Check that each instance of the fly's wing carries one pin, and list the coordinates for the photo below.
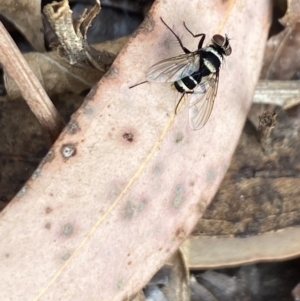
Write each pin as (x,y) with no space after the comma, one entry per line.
(175,68)
(202,101)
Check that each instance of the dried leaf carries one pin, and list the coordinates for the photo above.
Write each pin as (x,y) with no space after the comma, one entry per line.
(105,211)
(178,288)
(237,228)
(26,16)
(283,50)
(72,37)
(18,157)
(57,76)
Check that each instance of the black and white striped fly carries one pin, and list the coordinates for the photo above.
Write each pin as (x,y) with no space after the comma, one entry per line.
(195,73)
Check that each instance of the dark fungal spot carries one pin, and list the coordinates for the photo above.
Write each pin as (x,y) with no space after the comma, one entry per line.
(128,136)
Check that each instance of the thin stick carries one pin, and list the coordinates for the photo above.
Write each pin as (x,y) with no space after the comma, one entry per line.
(31,89)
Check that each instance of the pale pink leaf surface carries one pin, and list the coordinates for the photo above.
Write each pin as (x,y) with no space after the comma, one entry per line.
(127,180)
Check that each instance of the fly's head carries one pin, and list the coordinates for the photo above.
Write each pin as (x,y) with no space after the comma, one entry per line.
(222,43)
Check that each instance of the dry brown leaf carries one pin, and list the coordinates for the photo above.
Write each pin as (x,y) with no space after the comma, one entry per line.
(26,16)
(57,76)
(178,288)
(257,205)
(118,193)
(283,50)
(73,45)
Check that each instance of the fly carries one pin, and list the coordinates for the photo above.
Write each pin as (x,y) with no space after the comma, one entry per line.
(195,73)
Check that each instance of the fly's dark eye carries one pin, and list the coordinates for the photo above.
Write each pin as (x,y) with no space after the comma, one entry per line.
(228,50)
(222,42)
(218,39)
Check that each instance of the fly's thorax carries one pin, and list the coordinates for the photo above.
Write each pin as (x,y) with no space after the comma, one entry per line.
(216,51)
(212,60)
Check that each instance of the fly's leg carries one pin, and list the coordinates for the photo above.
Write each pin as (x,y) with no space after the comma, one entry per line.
(181,98)
(177,38)
(202,35)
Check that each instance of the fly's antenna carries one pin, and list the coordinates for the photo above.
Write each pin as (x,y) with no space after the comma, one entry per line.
(138,84)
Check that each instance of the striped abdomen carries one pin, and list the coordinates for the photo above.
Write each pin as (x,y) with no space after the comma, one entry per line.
(210,63)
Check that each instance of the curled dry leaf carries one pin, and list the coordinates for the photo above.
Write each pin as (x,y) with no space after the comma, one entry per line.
(105,211)
(26,16)
(73,45)
(283,50)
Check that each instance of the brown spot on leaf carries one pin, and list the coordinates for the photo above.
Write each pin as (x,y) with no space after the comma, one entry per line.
(180,234)
(48,210)
(128,136)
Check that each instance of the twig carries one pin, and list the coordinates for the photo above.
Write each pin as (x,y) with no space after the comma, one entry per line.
(31,89)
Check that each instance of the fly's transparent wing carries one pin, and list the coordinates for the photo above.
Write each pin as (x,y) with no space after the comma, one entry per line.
(202,101)
(175,68)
